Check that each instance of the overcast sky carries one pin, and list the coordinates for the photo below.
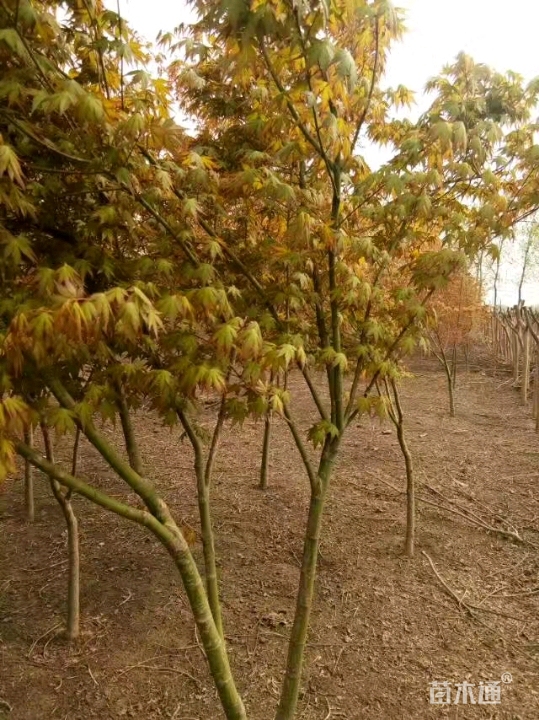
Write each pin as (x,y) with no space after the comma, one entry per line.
(503,35)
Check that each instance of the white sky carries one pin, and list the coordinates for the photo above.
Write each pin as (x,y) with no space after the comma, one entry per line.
(500,34)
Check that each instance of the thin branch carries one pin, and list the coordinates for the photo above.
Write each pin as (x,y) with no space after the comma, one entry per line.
(314,393)
(94,25)
(141,486)
(142,517)
(301,126)
(210,460)
(43,143)
(122,80)
(164,223)
(392,348)
(315,483)
(373,83)
(14,22)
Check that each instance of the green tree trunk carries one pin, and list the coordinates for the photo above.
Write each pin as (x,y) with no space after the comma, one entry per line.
(212,640)
(304,601)
(73,578)
(203,474)
(63,498)
(29,478)
(208,547)
(131,444)
(410,480)
(175,544)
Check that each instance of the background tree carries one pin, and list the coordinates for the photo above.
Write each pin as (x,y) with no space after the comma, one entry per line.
(528,250)
(396,415)
(457,311)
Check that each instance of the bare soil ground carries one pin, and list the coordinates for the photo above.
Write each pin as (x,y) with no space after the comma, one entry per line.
(383,626)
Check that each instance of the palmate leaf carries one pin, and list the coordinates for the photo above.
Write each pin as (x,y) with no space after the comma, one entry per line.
(10,37)
(287,353)
(61,419)
(162,380)
(460,137)
(15,415)
(322,53)
(211,378)
(91,108)
(346,67)
(9,164)
(433,269)
(15,248)
(225,336)
(250,341)
(318,433)
(7,458)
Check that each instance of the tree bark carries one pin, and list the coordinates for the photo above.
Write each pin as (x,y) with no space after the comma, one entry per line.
(398,420)
(29,502)
(264,464)
(212,639)
(73,576)
(449,377)
(203,474)
(131,444)
(73,580)
(175,544)
(304,600)
(210,560)
(454,366)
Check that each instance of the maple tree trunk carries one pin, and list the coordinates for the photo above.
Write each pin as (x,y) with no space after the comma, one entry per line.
(131,444)
(208,548)
(304,599)
(29,478)
(63,498)
(75,456)
(212,640)
(264,464)
(175,544)
(409,541)
(449,377)
(203,474)
(73,597)
(73,580)
(505,348)
(454,366)
(450,391)
(410,496)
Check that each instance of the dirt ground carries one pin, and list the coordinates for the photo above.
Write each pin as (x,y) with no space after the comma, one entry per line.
(383,626)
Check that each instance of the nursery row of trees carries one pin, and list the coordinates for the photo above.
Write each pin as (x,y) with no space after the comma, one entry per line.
(144,263)
(515,341)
